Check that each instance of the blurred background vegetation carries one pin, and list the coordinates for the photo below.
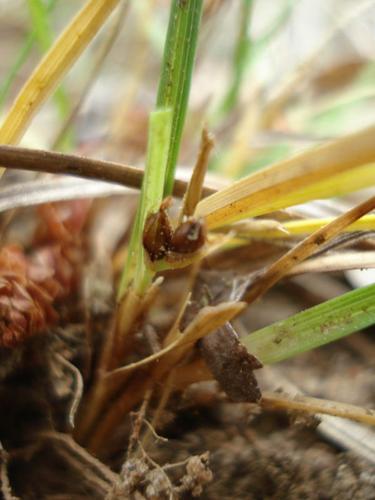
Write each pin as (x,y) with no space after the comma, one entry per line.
(271,77)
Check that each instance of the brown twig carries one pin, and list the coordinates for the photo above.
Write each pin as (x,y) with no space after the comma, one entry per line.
(100,470)
(194,190)
(316,406)
(36,160)
(77,390)
(306,248)
(137,425)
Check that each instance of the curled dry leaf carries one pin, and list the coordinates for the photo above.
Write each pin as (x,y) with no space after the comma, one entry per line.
(231,364)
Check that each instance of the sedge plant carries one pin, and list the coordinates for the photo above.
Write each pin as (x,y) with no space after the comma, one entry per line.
(334,168)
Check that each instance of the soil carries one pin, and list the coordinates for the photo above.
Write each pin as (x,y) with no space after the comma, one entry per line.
(270,456)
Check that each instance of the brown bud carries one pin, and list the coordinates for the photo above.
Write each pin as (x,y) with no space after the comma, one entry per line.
(157,234)
(189,236)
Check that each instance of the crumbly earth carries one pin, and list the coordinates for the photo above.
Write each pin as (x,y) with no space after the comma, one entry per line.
(253,454)
(269,456)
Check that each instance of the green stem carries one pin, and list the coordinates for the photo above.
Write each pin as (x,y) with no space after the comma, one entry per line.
(246,53)
(136,270)
(314,327)
(177,68)
(241,57)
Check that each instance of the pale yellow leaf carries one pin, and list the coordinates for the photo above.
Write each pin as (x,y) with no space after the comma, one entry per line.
(342,166)
(303,227)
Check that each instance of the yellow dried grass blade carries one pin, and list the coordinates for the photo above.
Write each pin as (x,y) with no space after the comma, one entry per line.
(337,185)
(336,168)
(307,226)
(366,223)
(56,62)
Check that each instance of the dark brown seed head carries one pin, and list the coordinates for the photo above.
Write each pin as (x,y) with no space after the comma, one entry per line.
(189,236)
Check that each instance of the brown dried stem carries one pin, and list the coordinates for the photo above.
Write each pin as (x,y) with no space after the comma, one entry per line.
(195,187)
(316,406)
(37,160)
(99,470)
(305,248)
(207,320)
(115,347)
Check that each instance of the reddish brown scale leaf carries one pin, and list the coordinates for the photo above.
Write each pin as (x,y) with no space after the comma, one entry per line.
(62,222)
(30,285)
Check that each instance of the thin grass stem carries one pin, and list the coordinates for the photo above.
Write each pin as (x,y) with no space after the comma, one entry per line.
(176,74)
(151,196)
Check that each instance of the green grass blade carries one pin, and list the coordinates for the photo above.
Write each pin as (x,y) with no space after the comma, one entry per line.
(247,51)
(273,29)
(314,327)
(240,59)
(20,60)
(40,23)
(135,270)
(177,68)
(45,37)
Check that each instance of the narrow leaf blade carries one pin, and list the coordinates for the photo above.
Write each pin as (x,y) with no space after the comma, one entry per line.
(314,327)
